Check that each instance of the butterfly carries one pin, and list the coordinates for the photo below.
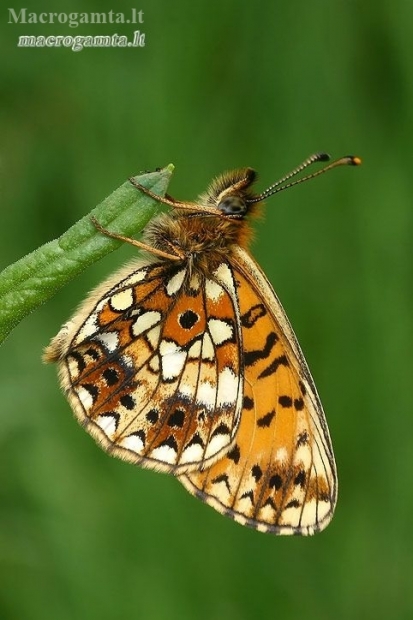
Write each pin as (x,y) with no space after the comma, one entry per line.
(185,362)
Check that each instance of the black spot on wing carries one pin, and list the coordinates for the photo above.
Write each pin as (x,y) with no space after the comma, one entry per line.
(170,442)
(222,478)
(300,478)
(248,495)
(248,319)
(256,472)
(272,368)
(234,454)
(195,440)
(81,364)
(177,418)
(127,401)
(152,416)
(265,420)
(111,376)
(251,357)
(302,439)
(248,403)
(92,352)
(221,429)
(294,503)
(275,482)
(298,404)
(270,502)
(188,319)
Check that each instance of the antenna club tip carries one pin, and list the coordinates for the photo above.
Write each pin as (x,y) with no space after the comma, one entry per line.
(348,160)
(354,160)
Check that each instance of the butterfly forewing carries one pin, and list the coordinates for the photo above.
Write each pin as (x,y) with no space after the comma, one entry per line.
(280,474)
(153,372)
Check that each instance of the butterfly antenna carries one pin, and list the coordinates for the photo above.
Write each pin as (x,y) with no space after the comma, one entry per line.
(281,185)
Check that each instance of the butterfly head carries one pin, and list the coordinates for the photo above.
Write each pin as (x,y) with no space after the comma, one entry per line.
(230,193)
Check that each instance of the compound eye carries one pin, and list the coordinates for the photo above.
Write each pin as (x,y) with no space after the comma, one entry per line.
(232,205)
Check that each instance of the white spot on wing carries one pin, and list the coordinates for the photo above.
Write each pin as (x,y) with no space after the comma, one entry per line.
(145,321)
(135,277)
(195,283)
(223,274)
(323,509)
(107,423)
(228,385)
(241,519)
(206,394)
(292,513)
(153,336)
(213,290)
(164,454)
(267,513)
(85,397)
(186,390)
(282,455)
(216,444)
(88,328)
(109,339)
(208,351)
(122,301)
(73,368)
(175,283)
(195,350)
(288,531)
(303,455)
(221,491)
(309,512)
(320,458)
(192,453)
(128,361)
(154,363)
(133,442)
(173,359)
(221,331)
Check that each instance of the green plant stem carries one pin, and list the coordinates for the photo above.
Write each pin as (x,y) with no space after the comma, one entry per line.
(36,277)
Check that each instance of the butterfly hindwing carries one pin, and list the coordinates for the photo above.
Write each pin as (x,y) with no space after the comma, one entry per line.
(280,474)
(153,373)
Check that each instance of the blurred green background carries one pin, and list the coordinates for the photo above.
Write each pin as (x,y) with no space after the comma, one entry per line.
(218,85)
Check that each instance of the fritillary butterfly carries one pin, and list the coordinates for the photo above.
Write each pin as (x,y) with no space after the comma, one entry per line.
(185,362)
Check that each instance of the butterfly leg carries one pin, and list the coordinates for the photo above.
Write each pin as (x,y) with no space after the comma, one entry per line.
(139,244)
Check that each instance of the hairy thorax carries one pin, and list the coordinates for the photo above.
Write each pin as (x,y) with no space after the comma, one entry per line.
(203,241)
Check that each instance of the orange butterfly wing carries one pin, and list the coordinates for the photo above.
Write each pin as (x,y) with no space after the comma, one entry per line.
(146,365)
(280,474)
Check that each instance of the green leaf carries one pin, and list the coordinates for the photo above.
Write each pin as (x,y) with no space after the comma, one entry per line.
(36,277)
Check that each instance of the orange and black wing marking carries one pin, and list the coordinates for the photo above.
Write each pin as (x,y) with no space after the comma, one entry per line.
(280,474)
(152,369)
